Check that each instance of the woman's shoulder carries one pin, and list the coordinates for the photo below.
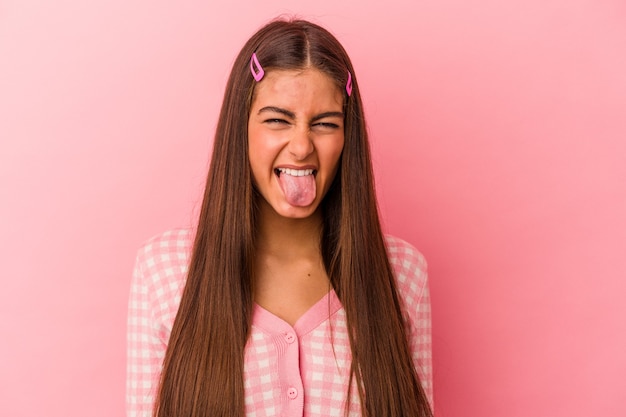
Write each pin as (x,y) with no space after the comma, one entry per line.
(158,280)
(409,266)
(165,257)
(174,243)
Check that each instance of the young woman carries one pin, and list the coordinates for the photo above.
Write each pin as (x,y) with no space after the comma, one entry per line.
(287,300)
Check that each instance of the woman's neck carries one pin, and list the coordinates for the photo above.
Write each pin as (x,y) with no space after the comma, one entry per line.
(289,272)
(286,237)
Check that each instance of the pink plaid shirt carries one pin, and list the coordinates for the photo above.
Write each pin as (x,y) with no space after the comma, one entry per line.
(288,371)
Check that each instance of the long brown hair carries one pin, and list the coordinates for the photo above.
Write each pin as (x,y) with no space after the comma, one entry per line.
(202,372)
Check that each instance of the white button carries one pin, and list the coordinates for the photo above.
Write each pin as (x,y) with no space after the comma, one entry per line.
(292,393)
(290,337)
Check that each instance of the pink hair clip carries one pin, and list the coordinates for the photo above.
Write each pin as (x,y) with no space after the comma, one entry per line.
(349,84)
(257,73)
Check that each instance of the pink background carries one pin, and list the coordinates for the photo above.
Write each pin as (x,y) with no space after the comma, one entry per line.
(499,135)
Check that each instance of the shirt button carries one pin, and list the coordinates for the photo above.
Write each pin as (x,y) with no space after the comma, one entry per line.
(292,393)
(290,337)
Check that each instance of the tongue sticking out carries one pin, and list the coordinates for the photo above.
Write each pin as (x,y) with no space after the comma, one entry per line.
(299,191)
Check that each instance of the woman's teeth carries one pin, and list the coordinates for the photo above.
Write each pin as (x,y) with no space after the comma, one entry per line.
(294,172)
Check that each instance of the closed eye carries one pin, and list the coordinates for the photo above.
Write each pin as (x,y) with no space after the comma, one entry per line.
(325,127)
(327,124)
(276,121)
(277,124)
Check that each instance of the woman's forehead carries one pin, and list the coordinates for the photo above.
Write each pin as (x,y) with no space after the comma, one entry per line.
(295,88)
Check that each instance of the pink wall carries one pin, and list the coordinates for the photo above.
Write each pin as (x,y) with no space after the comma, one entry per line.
(499,134)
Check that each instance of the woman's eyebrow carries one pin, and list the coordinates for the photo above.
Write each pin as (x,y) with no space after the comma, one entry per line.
(284,112)
(292,115)
(327,114)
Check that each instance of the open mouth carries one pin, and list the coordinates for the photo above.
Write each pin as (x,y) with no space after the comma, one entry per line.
(298,185)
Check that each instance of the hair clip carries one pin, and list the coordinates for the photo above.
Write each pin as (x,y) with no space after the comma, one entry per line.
(349,84)
(257,73)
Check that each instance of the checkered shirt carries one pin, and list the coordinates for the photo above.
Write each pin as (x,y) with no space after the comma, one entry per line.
(299,370)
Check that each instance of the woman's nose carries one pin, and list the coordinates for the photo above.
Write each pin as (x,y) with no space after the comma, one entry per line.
(300,143)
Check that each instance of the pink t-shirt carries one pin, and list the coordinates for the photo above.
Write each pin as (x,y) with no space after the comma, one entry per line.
(299,370)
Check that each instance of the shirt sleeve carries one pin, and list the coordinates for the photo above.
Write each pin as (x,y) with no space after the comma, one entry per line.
(421,342)
(145,349)
(412,279)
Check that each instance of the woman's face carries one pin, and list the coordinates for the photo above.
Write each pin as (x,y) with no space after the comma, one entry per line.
(295,139)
